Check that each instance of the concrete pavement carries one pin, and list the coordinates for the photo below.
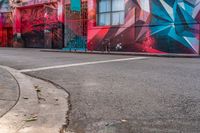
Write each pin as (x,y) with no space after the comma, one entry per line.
(9,92)
(135,96)
(37,106)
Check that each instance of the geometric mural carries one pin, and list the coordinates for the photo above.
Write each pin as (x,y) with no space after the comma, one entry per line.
(177,20)
(154,26)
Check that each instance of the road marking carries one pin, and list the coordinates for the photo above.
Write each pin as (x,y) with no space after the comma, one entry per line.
(81,64)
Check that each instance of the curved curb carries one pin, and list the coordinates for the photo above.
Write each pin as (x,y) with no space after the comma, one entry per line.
(66,124)
(17,95)
(42,107)
(25,107)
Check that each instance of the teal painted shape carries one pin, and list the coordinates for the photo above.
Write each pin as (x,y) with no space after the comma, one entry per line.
(180,39)
(160,13)
(161,21)
(189,8)
(161,30)
(75,5)
(74,49)
(187,16)
(78,43)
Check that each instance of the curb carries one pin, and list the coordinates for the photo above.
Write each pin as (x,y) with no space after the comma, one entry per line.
(42,107)
(127,53)
(14,98)
(14,119)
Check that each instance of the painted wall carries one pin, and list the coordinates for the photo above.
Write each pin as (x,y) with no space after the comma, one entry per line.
(76,27)
(4,6)
(39,24)
(5,24)
(6,33)
(34,2)
(36,23)
(154,26)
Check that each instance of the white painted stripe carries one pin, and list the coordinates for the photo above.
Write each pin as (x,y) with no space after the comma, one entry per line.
(81,64)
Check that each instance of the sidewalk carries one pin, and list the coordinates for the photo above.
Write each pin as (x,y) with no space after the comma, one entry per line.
(171,55)
(30,105)
(9,92)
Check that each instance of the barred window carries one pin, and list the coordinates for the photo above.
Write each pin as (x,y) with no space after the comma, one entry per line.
(111,12)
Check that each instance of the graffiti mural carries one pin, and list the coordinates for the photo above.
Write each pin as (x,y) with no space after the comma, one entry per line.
(32,29)
(53,27)
(4,6)
(7,19)
(76,28)
(40,26)
(34,2)
(154,26)
(5,24)
(177,24)
(6,35)
(36,23)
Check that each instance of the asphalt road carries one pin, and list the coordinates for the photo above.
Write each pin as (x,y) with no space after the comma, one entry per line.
(152,95)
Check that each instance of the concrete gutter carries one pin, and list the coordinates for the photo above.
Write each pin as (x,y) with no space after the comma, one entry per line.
(169,55)
(41,107)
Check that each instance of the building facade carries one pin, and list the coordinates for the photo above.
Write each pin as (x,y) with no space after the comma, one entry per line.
(6,24)
(153,26)
(32,23)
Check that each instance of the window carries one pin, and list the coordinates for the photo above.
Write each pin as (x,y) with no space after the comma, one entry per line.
(111,12)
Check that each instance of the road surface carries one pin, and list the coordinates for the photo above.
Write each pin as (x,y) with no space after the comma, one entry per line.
(119,94)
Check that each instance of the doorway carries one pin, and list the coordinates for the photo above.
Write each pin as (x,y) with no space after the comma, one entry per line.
(7,40)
